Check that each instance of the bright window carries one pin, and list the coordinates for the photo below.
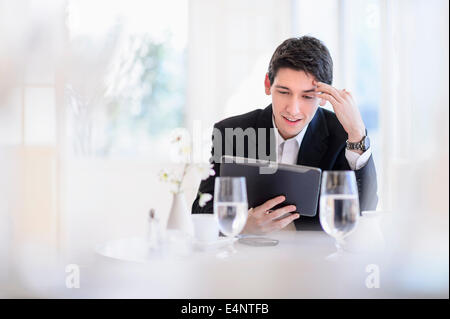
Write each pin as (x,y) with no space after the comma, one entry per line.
(135,55)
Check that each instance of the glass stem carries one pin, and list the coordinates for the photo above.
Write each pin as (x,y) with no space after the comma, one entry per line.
(340,244)
(231,246)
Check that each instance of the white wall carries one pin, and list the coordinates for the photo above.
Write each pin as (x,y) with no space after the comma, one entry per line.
(230,45)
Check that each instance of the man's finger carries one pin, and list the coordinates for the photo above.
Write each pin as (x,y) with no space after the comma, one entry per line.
(328,98)
(346,95)
(347,92)
(326,88)
(280,212)
(260,210)
(280,224)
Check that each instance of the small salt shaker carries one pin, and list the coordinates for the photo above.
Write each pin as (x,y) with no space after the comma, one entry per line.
(153,230)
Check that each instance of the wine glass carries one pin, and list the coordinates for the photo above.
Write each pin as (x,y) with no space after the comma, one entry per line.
(230,205)
(339,206)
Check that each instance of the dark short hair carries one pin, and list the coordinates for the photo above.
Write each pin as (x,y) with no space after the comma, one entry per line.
(306,54)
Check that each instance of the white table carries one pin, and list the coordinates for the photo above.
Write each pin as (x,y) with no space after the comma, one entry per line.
(295,268)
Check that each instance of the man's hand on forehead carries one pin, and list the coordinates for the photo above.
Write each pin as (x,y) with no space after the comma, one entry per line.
(344,107)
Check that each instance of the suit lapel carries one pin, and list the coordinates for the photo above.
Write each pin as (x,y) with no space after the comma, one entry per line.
(265,122)
(314,144)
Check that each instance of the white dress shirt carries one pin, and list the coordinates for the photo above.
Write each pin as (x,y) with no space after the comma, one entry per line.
(287,150)
(287,153)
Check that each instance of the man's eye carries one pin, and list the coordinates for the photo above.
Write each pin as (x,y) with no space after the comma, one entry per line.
(308,97)
(283,92)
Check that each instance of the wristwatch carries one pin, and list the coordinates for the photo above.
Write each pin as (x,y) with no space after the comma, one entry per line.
(362,145)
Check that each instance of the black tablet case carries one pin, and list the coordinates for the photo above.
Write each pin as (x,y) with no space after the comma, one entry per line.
(299,184)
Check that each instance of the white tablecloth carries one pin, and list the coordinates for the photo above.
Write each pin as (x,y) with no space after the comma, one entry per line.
(296,268)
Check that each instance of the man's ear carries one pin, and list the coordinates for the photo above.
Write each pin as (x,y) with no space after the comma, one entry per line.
(267,84)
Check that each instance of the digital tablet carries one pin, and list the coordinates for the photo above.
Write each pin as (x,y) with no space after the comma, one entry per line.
(299,184)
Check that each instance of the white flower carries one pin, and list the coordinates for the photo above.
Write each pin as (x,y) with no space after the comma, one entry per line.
(163,176)
(204,198)
(180,145)
(180,136)
(205,170)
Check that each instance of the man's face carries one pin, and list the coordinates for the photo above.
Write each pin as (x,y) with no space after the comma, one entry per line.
(293,100)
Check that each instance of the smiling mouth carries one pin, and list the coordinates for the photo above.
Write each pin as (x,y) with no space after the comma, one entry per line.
(291,121)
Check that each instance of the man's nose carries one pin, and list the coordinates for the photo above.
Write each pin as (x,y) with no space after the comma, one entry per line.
(293,107)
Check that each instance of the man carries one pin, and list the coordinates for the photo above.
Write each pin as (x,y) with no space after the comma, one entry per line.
(299,80)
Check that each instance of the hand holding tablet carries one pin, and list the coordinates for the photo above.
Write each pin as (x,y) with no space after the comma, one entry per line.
(262,219)
(278,198)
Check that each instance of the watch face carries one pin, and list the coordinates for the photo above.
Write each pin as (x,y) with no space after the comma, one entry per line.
(366,143)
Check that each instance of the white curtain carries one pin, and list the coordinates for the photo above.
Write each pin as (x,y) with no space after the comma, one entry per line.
(415,105)
(414,119)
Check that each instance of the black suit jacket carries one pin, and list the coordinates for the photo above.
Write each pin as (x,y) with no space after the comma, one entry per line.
(323,146)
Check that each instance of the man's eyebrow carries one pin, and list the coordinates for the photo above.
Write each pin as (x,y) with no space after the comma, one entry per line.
(282,87)
(286,88)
